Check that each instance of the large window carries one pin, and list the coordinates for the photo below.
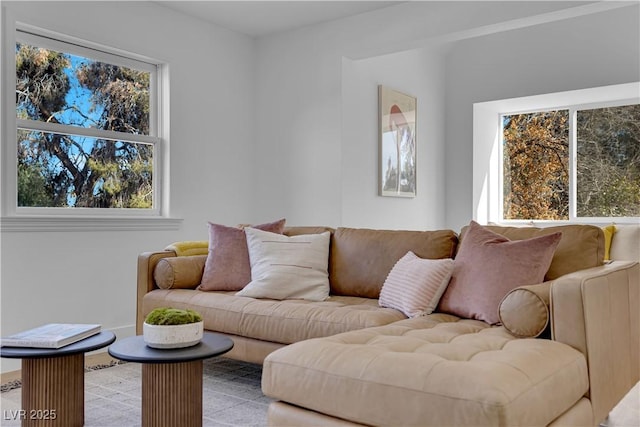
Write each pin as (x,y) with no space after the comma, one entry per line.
(87,129)
(539,181)
(572,156)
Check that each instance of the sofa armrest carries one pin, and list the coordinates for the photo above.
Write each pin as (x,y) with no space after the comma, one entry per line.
(597,312)
(146,264)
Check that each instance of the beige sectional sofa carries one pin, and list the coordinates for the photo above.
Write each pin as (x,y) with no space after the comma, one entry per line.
(565,352)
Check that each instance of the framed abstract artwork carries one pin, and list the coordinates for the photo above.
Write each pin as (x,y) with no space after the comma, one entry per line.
(397,145)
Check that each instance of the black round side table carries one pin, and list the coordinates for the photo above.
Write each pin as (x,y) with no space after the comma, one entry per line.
(53,381)
(171,378)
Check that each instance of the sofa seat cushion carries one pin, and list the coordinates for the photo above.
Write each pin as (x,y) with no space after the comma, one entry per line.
(435,370)
(282,322)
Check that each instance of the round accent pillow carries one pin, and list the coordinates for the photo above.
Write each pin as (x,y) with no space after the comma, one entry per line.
(184,272)
(524,311)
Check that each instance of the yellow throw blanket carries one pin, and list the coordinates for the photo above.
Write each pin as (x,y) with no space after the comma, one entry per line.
(189,247)
(609,231)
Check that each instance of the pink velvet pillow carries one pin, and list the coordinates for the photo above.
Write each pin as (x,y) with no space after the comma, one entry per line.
(227,266)
(488,266)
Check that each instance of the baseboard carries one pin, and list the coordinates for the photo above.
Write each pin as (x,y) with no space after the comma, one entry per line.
(102,358)
(7,377)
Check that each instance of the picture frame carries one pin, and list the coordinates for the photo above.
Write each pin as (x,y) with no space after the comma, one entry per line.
(397,114)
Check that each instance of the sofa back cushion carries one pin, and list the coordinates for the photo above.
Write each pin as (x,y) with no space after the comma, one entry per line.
(306,229)
(581,246)
(360,259)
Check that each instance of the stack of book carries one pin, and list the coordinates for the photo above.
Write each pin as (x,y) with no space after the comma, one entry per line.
(52,335)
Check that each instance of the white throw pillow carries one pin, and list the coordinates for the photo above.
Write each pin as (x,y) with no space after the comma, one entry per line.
(625,245)
(414,285)
(287,267)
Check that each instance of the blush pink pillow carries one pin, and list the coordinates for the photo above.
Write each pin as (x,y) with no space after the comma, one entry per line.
(488,266)
(227,266)
(414,285)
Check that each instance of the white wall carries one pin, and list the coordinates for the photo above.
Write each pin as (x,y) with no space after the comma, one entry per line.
(589,51)
(91,276)
(315,163)
(420,73)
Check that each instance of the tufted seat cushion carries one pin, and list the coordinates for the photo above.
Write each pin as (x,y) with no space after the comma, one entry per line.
(434,370)
(281,322)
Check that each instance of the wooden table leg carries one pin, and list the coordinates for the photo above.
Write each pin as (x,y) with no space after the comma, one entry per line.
(172,394)
(53,391)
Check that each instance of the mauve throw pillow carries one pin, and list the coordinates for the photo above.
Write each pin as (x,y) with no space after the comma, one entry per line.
(488,266)
(227,267)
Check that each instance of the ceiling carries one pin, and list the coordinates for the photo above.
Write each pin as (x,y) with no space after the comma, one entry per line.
(261,18)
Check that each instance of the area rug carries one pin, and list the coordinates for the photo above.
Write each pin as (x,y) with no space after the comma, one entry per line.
(231,395)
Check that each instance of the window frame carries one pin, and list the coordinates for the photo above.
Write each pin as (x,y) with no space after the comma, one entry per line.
(487,147)
(17,218)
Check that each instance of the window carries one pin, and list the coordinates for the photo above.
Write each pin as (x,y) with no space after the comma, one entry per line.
(84,137)
(608,162)
(535,168)
(88,129)
(572,156)
(536,173)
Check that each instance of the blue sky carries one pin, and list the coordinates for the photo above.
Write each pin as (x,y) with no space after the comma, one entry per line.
(79,97)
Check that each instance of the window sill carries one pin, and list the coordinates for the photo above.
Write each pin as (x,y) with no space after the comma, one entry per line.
(35,223)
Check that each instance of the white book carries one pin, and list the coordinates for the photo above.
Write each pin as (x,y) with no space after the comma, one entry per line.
(52,335)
